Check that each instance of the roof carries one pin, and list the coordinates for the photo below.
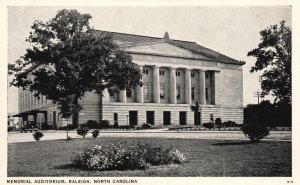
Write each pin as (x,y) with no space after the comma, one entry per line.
(123,38)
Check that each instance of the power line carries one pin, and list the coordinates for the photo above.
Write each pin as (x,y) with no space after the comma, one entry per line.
(257,94)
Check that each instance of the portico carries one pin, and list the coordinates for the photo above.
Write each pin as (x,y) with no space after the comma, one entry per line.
(212,78)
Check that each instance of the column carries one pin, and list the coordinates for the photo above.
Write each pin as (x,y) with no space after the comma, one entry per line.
(156,85)
(35,120)
(105,97)
(188,87)
(122,96)
(202,87)
(173,98)
(216,88)
(139,89)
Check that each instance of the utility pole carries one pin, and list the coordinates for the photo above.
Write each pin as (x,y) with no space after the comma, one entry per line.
(257,94)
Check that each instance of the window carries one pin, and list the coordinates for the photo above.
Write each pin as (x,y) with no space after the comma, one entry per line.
(192,75)
(128,93)
(178,92)
(22,101)
(25,96)
(146,92)
(111,92)
(206,93)
(177,73)
(115,117)
(162,91)
(145,71)
(193,93)
(34,99)
(31,99)
(161,72)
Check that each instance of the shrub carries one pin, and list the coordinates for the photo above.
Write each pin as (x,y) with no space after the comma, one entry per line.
(45,126)
(11,128)
(38,135)
(209,125)
(116,124)
(127,156)
(92,124)
(104,124)
(69,127)
(124,127)
(146,125)
(255,132)
(218,123)
(83,130)
(230,124)
(95,133)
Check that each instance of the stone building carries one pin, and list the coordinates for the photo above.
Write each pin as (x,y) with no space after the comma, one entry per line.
(176,74)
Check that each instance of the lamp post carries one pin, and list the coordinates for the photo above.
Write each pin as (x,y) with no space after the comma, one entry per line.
(127,119)
(195,109)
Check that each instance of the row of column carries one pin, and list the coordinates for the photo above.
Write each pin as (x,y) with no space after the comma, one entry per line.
(188,87)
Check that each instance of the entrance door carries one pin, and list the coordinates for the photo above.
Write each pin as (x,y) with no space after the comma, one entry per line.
(182,118)
(133,117)
(150,117)
(197,118)
(115,118)
(54,119)
(167,117)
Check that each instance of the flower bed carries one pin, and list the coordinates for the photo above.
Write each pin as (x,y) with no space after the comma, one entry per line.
(127,156)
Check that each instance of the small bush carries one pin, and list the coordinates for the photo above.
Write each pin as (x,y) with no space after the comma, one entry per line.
(255,132)
(104,124)
(83,130)
(127,156)
(69,127)
(230,124)
(92,124)
(38,135)
(45,126)
(11,128)
(218,122)
(124,127)
(209,125)
(116,124)
(146,125)
(95,133)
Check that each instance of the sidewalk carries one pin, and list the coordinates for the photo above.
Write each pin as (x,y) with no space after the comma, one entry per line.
(16,137)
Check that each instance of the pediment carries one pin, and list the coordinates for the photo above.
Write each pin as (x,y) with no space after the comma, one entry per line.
(163,48)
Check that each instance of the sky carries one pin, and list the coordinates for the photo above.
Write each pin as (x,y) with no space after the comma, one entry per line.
(233,31)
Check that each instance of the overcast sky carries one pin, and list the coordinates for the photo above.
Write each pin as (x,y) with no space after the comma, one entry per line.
(232,31)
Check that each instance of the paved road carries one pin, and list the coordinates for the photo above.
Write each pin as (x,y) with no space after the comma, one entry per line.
(16,137)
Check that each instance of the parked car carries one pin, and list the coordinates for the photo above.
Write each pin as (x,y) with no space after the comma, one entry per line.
(27,129)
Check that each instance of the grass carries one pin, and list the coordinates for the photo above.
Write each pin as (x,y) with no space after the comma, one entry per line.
(211,158)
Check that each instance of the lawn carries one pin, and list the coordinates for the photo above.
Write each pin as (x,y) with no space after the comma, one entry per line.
(212,158)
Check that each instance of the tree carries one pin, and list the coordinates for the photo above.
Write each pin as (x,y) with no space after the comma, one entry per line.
(274,57)
(268,114)
(66,59)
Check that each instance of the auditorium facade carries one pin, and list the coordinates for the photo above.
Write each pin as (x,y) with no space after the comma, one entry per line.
(176,74)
